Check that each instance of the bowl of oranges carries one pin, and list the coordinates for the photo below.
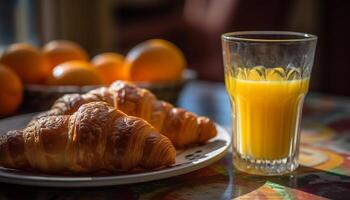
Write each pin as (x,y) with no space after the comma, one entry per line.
(61,66)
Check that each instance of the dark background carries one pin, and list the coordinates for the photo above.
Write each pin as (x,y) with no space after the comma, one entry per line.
(194,25)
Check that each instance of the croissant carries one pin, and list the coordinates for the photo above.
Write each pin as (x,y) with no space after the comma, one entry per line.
(180,126)
(95,137)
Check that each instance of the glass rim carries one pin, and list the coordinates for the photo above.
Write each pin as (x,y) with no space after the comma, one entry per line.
(239,36)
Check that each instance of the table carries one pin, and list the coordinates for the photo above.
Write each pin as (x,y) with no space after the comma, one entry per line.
(324,173)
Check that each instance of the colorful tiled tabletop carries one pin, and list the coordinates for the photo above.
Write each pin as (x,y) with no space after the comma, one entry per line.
(324,172)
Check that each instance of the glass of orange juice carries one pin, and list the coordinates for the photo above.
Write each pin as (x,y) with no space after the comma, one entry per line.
(267,77)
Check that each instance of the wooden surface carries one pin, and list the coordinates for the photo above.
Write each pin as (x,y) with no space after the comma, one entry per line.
(324,171)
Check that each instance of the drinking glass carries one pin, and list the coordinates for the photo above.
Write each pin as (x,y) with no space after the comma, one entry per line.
(267,77)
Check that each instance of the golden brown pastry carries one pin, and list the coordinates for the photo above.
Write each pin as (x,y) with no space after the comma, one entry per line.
(96,137)
(180,126)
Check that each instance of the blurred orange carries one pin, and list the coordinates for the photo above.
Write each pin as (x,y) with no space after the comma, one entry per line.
(11,90)
(75,72)
(110,66)
(27,61)
(155,60)
(59,51)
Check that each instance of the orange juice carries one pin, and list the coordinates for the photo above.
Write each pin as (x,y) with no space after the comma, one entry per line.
(266,112)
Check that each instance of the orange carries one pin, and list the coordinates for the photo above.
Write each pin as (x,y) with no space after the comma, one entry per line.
(11,90)
(75,72)
(59,51)
(110,66)
(27,61)
(155,60)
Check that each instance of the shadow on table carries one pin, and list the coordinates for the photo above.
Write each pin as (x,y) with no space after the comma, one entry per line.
(211,188)
(214,182)
(309,180)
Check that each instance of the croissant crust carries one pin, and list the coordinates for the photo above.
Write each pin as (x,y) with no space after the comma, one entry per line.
(95,137)
(180,126)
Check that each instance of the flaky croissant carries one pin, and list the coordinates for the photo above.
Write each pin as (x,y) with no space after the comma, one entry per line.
(96,137)
(180,126)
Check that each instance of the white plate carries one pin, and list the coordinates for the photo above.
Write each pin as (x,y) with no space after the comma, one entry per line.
(187,160)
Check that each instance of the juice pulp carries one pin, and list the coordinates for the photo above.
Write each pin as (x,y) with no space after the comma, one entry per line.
(266,115)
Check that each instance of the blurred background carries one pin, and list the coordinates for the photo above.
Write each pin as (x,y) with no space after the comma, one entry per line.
(194,26)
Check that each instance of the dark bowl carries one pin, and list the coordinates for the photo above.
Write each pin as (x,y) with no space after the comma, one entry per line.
(41,97)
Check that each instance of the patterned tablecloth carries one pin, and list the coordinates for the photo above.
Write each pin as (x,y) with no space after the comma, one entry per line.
(324,170)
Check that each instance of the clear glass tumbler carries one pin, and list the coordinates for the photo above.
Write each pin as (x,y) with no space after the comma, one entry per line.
(267,77)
